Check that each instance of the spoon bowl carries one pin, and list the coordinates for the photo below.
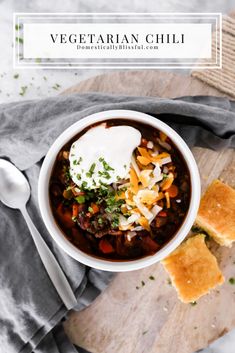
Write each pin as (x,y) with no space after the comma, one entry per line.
(14,187)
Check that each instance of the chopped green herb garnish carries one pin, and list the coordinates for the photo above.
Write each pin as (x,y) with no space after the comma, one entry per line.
(76,161)
(44,78)
(17,27)
(84,184)
(80,199)
(90,209)
(100,220)
(143,333)
(164,176)
(106,166)
(90,194)
(152,278)
(103,189)
(16,76)
(91,171)
(232,280)
(67,175)
(113,205)
(106,175)
(92,168)
(66,202)
(79,176)
(137,287)
(143,283)
(115,221)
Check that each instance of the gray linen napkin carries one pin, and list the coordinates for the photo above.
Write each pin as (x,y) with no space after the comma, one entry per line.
(30,309)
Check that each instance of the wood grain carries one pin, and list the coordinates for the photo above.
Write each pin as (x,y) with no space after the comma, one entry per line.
(151,319)
(146,83)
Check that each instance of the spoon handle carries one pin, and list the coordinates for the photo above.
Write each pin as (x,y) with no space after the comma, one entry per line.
(52,267)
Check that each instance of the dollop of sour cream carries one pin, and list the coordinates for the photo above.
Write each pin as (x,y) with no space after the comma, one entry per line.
(103,155)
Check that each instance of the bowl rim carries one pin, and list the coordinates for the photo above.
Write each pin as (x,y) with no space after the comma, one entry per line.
(57,234)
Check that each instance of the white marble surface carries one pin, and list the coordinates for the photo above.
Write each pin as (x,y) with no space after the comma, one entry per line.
(40,82)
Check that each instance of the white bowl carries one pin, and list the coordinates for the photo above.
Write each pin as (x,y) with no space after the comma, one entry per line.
(57,234)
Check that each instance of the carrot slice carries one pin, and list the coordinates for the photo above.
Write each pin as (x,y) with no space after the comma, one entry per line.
(173,191)
(105,246)
(75,210)
(95,207)
(162,214)
(162,136)
(133,181)
(167,183)
(65,216)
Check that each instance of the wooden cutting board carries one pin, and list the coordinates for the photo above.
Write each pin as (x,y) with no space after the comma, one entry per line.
(124,319)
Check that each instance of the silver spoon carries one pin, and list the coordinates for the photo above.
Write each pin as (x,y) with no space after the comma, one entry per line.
(15,193)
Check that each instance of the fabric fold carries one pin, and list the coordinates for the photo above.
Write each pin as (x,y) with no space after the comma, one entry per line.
(30,127)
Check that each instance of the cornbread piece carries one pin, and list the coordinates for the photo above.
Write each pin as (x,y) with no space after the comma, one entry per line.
(217,213)
(193,269)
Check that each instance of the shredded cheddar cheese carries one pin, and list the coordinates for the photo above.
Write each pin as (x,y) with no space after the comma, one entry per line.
(147,187)
(133,181)
(168,201)
(144,160)
(144,223)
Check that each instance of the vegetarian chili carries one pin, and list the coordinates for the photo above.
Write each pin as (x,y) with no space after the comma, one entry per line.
(133,217)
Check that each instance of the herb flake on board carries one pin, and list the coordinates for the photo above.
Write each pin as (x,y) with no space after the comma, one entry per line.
(193,303)
(23,90)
